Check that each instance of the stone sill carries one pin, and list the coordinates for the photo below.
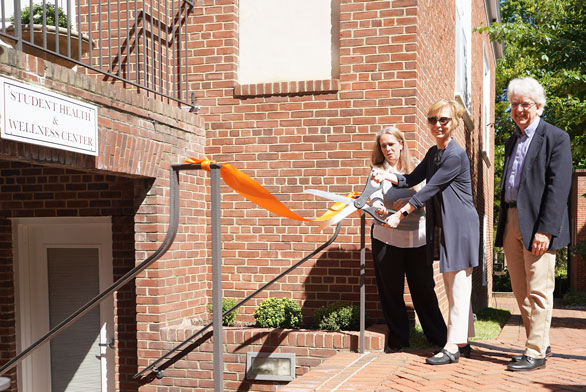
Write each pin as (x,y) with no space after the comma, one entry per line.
(301,87)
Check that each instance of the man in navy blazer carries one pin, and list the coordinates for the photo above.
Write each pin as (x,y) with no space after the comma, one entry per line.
(533,221)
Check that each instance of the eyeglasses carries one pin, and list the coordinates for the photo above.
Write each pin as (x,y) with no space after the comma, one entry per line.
(524,105)
(442,120)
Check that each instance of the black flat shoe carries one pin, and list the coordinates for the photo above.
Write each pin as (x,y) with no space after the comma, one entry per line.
(526,364)
(517,358)
(446,358)
(465,351)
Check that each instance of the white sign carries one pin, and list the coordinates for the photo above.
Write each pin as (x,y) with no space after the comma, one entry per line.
(35,115)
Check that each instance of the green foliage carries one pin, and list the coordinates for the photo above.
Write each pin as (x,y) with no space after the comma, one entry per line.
(227,303)
(278,313)
(574,298)
(579,250)
(544,39)
(337,316)
(501,282)
(25,15)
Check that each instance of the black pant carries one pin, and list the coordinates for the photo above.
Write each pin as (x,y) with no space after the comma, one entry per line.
(391,264)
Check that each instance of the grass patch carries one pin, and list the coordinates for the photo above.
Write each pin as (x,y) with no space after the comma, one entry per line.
(488,325)
(489,322)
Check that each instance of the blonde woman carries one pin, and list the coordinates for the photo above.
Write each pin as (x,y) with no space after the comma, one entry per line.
(447,196)
(401,251)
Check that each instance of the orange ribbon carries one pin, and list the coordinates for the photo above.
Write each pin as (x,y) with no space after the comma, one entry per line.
(256,193)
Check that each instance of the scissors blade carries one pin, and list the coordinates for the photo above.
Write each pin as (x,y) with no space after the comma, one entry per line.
(330,196)
(338,217)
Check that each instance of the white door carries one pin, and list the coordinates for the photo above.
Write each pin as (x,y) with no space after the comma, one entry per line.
(62,263)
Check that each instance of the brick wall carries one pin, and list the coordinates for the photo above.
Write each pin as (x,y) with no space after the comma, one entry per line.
(578,229)
(311,348)
(396,58)
(139,138)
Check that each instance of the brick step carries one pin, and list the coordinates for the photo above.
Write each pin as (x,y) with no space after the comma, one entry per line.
(366,372)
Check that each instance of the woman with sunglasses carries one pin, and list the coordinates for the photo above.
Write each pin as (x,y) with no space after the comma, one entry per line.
(401,252)
(451,216)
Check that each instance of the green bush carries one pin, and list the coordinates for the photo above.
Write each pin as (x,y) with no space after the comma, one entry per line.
(25,15)
(337,316)
(501,283)
(574,298)
(278,313)
(227,303)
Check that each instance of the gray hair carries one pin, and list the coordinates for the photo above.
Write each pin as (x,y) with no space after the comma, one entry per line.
(528,87)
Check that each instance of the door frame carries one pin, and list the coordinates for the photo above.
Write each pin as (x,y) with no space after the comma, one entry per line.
(71,232)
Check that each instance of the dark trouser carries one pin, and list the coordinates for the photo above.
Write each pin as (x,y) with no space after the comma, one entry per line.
(391,264)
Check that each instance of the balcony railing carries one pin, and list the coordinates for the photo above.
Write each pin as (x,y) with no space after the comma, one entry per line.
(141,43)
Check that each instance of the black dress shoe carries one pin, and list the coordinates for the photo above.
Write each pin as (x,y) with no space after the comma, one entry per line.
(517,358)
(465,351)
(446,358)
(526,363)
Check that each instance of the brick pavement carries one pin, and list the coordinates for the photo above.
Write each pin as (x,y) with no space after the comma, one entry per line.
(484,371)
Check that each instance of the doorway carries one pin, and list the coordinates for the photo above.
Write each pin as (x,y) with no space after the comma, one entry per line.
(61,264)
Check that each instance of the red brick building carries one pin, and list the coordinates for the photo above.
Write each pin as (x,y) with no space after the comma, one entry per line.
(577,266)
(306,122)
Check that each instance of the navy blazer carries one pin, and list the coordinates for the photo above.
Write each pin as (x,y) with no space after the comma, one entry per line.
(545,184)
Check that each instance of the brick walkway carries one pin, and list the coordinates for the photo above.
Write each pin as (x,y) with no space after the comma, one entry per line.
(484,371)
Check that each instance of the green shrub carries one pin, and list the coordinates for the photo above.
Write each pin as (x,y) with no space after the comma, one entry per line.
(337,316)
(502,282)
(25,15)
(227,303)
(278,313)
(574,298)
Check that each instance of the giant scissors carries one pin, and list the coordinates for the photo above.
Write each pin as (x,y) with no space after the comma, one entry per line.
(353,204)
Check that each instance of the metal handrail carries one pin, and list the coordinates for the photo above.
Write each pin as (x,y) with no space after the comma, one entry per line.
(171,233)
(158,370)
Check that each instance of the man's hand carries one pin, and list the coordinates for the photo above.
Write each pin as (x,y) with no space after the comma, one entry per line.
(540,244)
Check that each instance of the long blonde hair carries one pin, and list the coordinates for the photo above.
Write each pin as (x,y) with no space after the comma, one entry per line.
(377,159)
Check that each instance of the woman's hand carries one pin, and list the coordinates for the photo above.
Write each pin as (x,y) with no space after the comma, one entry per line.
(378,176)
(394,220)
(382,211)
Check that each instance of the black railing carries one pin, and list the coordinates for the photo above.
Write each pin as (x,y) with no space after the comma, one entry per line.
(140,43)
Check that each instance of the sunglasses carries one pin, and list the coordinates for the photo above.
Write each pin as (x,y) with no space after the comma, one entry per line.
(442,120)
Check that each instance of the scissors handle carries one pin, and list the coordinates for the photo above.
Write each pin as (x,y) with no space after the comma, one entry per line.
(368,190)
(361,202)
(372,212)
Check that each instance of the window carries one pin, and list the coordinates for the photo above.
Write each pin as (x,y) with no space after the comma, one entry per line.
(463,51)
(284,40)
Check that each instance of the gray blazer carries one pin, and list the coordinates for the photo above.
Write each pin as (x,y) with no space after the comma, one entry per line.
(543,193)
(459,247)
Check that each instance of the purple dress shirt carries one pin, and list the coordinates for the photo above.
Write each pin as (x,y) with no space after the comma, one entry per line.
(515,163)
